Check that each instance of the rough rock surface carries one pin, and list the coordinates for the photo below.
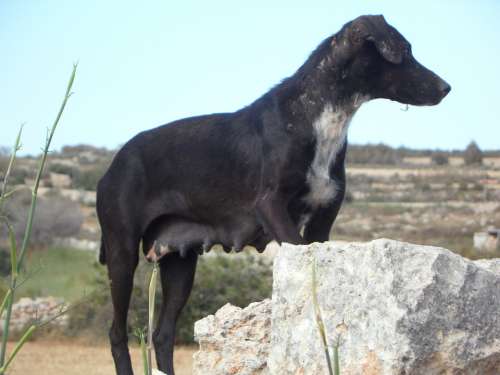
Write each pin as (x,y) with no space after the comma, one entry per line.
(234,340)
(396,308)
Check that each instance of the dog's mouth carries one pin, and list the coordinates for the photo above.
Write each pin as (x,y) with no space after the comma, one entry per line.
(442,91)
(423,97)
(433,101)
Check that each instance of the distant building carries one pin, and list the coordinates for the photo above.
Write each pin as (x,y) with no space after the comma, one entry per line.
(487,242)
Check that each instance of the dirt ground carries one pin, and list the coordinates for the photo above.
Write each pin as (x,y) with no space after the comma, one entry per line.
(58,358)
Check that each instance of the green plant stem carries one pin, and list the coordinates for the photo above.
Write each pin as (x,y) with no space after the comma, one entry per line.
(13,252)
(319,319)
(34,192)
(145,361)
(336,362)
(29,224)
(17,146)
(4,301)
(18,347)
(328,362)
(151,309)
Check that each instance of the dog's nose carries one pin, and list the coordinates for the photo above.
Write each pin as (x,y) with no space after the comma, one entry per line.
(444,87)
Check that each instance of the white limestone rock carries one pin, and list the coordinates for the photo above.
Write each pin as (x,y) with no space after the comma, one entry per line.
(396,308)
(234,341)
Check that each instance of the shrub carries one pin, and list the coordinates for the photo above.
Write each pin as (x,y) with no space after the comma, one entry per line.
(3,290)
(4,160)
(94,313)
(63,169)
(440,158)
(219,279)
(349,197)
(83,150)
(5,266)
(374,154)
(55,216)
(87,178)
(19,175)
(472,154)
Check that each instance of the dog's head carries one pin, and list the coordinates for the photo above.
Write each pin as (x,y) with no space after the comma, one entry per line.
(378,60)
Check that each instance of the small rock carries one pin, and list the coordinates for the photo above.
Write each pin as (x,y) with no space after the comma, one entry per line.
(234,340)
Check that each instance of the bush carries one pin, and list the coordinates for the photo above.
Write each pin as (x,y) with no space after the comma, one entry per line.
(3,290)
(84,150)
(4,160)
(55,216)
(19,175)
(87,179)
(219,279)
(5,266)
(63,169)
(440,158)
(374,154)
(473,155)
(94,313)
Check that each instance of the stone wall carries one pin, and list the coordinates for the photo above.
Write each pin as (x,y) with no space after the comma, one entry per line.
(395,308)
(29,310)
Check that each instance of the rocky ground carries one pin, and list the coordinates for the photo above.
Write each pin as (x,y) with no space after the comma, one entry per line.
(434,205)
(430,205)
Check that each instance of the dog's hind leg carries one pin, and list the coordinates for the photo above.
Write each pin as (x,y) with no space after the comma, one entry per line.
(177,275)
(122,258)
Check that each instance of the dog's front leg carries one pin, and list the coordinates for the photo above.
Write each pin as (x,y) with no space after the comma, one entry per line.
(276,219)
(320,224)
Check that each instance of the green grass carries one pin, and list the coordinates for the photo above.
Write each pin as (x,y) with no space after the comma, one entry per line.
(58,272)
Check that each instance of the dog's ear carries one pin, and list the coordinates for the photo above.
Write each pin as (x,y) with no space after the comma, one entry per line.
(391,53)
(388,41)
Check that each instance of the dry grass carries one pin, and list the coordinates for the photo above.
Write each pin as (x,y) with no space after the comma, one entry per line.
(59,357)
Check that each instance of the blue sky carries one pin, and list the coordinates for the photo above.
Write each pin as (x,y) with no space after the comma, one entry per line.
(142,64)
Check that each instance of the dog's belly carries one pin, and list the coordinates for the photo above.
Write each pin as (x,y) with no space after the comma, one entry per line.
(184,235)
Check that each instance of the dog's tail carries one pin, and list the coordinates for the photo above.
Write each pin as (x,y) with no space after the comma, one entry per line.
(102,253)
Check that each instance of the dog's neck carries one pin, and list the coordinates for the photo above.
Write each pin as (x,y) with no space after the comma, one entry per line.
(324,80)
(320,95)
(321,82)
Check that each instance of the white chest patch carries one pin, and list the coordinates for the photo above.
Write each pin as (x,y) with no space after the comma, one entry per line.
(330,130)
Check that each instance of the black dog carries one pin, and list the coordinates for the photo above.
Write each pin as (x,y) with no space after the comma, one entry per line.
(264,172)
